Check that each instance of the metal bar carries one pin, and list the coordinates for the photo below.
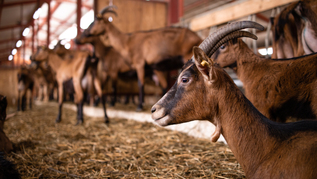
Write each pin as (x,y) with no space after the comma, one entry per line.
(18,3)
(48,22)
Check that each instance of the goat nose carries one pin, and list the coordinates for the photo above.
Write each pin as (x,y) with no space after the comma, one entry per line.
(153,109)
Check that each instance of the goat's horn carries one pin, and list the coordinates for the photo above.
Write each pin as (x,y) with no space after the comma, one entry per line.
(231,36)
(213,39)
(107,9)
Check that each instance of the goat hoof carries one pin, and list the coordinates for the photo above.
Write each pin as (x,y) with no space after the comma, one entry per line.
(79,122)
(139,109)
(106,120)
(58,120)
(112,103)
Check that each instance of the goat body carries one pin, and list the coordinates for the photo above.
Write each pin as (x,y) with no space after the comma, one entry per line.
(111,64)
(148,47)
(295,30)
(277,88)
(264,148)
(26,82)
(72,67)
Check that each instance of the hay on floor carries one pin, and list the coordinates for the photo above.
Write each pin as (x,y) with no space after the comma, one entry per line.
(122,149)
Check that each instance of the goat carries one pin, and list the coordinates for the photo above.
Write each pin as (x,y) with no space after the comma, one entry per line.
(88,78)
(307,10)
(25,83)
(5,143)
(264,148)
(295,30)
(8,169)
(71,68)
(277,88)
(287,30)
(111,63)
(162,49)
(44,79)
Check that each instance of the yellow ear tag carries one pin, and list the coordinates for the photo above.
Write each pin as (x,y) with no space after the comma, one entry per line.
(204,63)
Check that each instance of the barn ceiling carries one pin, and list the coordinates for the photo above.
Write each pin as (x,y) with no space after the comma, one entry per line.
(17,15)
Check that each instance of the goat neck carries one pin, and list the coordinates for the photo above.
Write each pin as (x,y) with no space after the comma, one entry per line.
(215,93)
(109,34)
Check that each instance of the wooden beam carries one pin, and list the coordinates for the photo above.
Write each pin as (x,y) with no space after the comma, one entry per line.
(233,11)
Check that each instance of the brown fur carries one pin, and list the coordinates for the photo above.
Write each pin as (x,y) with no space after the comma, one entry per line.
(110,64)
(264,149)
(26,81)
(294,30)
(150,47)
(277,88)
(71,67)
(287,28)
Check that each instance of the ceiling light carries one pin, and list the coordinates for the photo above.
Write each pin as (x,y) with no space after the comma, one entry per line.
(37,13)
(87,19)
(14,51)
(67,46)
(10,58)
(69,33)
(26,31)
(19,43)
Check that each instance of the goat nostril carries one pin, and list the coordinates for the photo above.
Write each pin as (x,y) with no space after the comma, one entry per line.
(153,109)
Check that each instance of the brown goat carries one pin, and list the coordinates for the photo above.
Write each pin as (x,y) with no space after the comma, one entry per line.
(88,79)
(111,63)
(5,143)
(264,148)
(44,79)
(277,88)
(162,49)
(25,82)
(73,67)
(295,30)
(287,33)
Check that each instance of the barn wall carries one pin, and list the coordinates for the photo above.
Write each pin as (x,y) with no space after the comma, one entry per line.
(137,15)
(9,85)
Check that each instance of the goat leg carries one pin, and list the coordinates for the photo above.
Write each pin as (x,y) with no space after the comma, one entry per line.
(59,115)
(127,98)
(141,96)
(23,105)
(114,94)
(103,102)
(30,102)
(60,102)
(80,117)
(19,101)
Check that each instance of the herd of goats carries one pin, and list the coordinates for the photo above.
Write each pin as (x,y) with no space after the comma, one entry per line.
(253,122)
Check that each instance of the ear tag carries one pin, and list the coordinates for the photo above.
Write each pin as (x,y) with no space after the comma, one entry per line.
(204,63)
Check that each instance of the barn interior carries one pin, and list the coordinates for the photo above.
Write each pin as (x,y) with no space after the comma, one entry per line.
(130,146)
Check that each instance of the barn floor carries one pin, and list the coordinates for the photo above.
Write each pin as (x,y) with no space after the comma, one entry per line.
(122,149)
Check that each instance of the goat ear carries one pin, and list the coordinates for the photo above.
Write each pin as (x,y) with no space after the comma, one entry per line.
(204,64)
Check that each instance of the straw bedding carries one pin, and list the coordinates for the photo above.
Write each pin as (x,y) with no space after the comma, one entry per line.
(122,149)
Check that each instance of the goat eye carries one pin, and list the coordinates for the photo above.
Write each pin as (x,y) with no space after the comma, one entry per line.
(222,46)
(185,80)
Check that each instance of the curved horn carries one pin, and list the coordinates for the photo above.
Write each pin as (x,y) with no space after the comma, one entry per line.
(231,36)
(213,39)
(107,9)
